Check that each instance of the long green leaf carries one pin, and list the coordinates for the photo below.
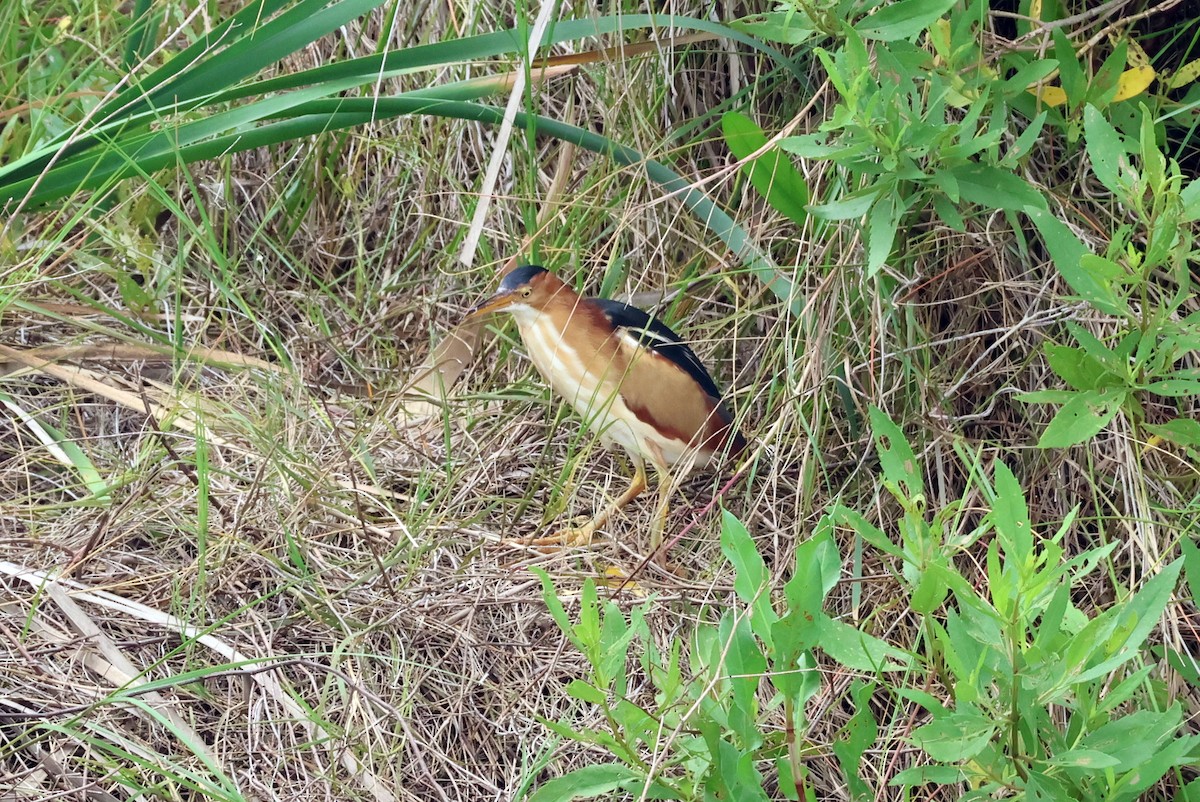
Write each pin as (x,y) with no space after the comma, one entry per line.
(161,149)
(214,80)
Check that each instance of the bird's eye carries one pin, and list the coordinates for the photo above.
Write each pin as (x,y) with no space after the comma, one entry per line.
(525,293)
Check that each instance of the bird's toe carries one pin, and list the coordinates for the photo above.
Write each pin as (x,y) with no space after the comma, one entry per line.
(571,536)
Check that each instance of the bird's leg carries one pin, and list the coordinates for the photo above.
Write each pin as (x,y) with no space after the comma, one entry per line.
(665,485)
(582,535)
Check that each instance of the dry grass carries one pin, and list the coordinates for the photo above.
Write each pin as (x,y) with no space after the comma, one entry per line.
(294,588)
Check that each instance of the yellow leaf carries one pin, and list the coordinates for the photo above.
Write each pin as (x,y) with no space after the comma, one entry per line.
(1049,95)
(617,579)
(1186,74)
(1133,82)
(1134,55)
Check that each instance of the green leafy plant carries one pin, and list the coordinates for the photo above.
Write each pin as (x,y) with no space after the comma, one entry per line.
(1039,697)
(915,125)
(1039,690)
(710,734)
(931,124)
(1144,280)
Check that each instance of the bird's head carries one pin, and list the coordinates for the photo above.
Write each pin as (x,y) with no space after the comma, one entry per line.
(525,292)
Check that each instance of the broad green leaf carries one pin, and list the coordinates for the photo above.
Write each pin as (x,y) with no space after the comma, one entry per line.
(1074,366)
(1190,195)
(639,725)
(1084,759)
(1041,787)
(578,689)
(615,637)
(993,188)
(587,631)
(732,772)
(1010,516)
(1191,791)
(1074,82)
(948,212)
(1186,664)
(1082,417)
(1105,149)
(1176,752)
(1191,559)
(750,583)
(743,668)
(925,775)
(1067,252)
(1111,79)
(1025,142)
(1136,618)
(1046,396)
(1051,634)
(794,634)
(851,207)
(959,663)
(1175,388)
(946,182)
(1135,739)
(1154,164)
(554,605)
(1088,646)
(794,670)
(927,701)
(1029,73)
(896,456)
(865,529)
(955,736)
(856,649)
(593,781)
(882,223)
(818,568)
(1103,270)
(812,146)
(1097,350)
(791,27)
(931,589)
(788,784)
(860,734)
(839,79)
(1126,689)
(772,174)
(902,20)
(1002,582)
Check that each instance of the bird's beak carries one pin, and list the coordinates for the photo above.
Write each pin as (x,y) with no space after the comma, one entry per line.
(497,303)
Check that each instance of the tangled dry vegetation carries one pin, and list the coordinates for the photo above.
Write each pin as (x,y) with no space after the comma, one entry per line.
(318,571)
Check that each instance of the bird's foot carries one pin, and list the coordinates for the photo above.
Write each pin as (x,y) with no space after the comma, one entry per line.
(565,538)
(571,536)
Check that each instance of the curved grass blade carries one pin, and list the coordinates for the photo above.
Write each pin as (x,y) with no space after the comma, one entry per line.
(211,83)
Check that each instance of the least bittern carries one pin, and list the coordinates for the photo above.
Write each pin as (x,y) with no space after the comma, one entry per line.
(634,382)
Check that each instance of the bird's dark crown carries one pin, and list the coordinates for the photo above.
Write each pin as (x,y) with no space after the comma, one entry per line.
(520,277)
